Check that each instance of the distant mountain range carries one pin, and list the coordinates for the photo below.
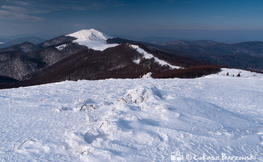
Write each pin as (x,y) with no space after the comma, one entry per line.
(90,54)
(245,55)
(33,40)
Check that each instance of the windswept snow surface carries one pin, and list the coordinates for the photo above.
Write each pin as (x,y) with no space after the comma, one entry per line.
(2,43)
(147,55)
(92,39)
(217,116)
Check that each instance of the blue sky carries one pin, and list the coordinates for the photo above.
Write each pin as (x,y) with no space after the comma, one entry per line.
(184,19)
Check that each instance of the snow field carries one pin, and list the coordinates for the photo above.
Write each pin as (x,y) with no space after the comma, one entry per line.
(133,119)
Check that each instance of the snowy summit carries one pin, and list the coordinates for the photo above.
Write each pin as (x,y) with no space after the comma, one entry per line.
(92,39)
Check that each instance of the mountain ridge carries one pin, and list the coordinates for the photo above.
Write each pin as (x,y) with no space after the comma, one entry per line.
(245,55)
(90,54)
(33,40)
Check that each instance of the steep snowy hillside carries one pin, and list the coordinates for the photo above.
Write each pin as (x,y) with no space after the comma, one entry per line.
(213,117)
(92,39)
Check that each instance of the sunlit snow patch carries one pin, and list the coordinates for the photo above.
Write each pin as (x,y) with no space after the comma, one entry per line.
(61,47)
(92,39)
(147,55)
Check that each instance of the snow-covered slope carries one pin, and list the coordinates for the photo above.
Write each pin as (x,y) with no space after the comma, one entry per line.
(147,55)
(216,116)
(92,39)
(240,73)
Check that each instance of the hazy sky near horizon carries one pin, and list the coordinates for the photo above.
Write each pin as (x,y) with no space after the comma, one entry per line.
(184,19)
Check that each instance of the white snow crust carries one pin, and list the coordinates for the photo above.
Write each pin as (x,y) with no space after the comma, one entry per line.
(2,43)
(92,39)
(147,55)
(119,120)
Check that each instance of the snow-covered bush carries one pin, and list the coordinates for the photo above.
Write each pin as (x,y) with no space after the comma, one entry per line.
(143,94)
(147,76)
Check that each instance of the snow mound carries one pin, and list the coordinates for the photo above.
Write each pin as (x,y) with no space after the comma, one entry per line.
(92,39)
(147,76)
(147,55)
(143,94)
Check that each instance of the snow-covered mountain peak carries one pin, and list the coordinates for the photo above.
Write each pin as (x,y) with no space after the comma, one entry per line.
(92,38)
(90,35)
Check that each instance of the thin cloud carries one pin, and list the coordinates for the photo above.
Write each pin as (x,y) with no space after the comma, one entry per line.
(30,7)
(21,3)
(15,9)
(25,10)
(16,16)
(79,5)
(88,5)
(47,6)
